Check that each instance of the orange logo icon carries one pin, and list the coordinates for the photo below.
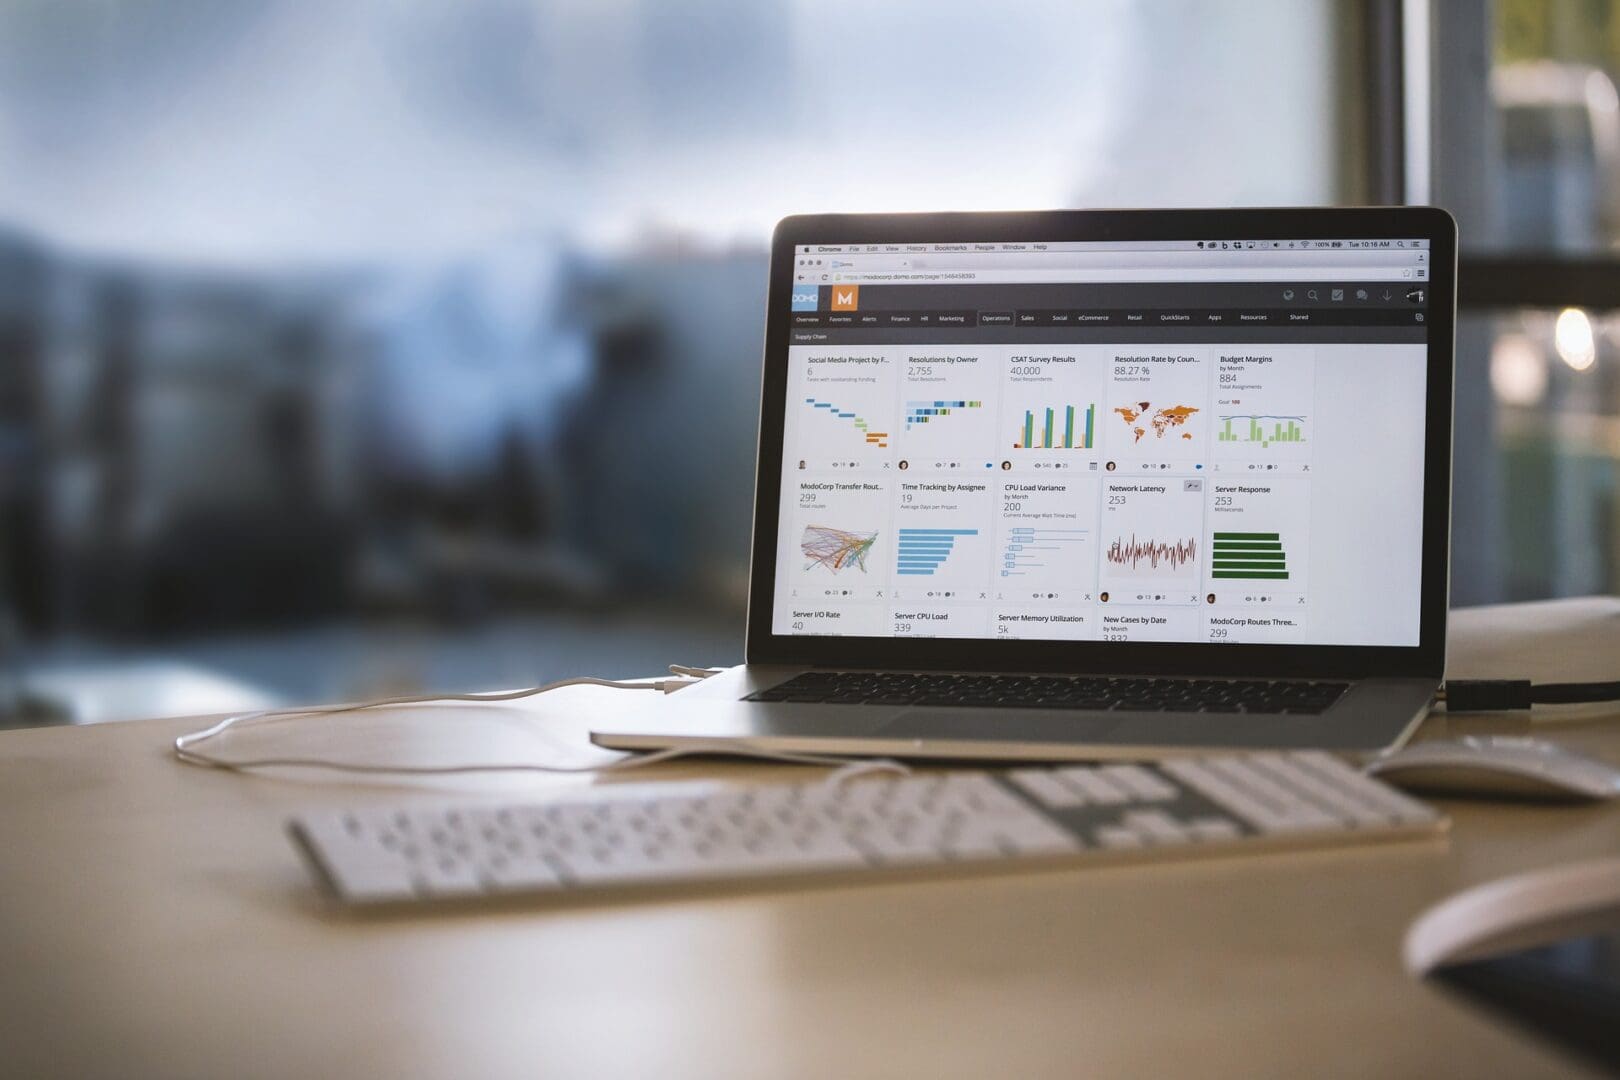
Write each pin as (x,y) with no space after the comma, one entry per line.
(845,297)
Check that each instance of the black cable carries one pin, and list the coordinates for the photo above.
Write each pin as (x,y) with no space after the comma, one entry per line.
(1572,692)
(1502,695)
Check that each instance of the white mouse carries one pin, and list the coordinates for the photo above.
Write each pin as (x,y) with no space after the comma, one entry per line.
(1497,765)
(1517,913)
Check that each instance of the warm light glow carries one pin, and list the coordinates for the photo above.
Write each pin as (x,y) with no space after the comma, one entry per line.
(1572,336)
(1518,370)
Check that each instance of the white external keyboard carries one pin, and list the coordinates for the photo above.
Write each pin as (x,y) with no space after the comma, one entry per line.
(1009,818)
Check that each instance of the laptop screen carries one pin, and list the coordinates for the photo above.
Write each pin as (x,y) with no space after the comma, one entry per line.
(1189,441)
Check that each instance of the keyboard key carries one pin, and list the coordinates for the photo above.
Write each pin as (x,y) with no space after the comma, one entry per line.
(445,877)
(1330,796)
(1117,836)
(1045,785)
(1214,828)
(362,868)
(1140,783)
(1291,812)
(1094,786)
(1361,786)
(520,876)
(1197,775)
(1154,825)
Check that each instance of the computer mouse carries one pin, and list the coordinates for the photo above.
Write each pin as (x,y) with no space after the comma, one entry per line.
(1497,766)
(1514,913)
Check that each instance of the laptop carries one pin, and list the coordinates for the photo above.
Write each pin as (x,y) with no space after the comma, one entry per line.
(1093,485)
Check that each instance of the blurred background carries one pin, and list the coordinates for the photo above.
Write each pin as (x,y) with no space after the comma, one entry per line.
(365,348)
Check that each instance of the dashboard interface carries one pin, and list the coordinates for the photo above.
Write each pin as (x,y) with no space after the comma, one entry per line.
(1189,441)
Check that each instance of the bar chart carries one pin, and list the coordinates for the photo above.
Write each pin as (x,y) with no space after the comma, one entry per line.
(1249,556)
(923,551)
(1261,430)
(923,412)
(1050,429)
(1263,406)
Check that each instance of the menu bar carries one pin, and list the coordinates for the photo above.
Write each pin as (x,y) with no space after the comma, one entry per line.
(1208,244)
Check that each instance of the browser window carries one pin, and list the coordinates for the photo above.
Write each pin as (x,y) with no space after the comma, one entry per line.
(1192,441)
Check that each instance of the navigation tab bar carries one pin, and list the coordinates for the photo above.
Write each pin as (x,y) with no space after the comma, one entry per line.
(916,320)
(1060,318)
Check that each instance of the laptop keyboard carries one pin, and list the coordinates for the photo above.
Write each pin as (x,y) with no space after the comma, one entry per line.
(1057,692)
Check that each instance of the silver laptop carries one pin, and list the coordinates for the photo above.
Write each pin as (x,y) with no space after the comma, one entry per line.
(1093,485)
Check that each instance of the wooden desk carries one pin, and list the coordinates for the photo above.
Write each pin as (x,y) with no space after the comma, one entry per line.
(154,922)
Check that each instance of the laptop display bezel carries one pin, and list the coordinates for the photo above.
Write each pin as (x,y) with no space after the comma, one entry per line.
(1425,659)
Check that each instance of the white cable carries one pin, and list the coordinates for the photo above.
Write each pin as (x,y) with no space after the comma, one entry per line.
(184,746)
(694,672)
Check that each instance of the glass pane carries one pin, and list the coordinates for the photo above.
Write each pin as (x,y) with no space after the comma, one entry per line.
(1552,128)
(1527,156)
(244,127)
(1557,421)
(384,347)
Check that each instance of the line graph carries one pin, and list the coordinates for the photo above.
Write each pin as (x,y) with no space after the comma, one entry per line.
(835,549)
(1161,556)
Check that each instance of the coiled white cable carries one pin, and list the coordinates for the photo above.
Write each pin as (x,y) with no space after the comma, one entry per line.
(185,746)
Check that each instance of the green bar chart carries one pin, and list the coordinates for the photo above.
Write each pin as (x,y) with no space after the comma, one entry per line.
(1264,430)
(1249,555)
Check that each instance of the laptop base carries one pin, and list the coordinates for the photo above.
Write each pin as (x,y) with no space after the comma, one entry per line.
(1373,715)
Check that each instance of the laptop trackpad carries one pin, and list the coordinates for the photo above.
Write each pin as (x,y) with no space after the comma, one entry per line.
(1002,725)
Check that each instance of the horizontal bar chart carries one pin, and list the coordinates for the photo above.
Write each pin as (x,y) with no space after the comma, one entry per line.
(921,551)
(1249,556)
(923,412)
